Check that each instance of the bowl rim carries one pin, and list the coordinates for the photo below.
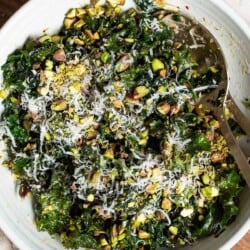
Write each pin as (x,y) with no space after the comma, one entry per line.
(224,7)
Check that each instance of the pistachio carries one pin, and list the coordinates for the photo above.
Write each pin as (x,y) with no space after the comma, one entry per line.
(59,55)
(143,235)
(161,89)
(117,104)
(44,38)
(78,24)
(103,242)
(205,178)
(160,3)
(121,236)
(71,13)
(95,179)
(124,63)
(80,12)
(115,3)
(78,41)
(129,40)
(151,188)
(14,100)
(175,109)
(140,92)
(105,57)
(163,108)
(3,94)
(163,73)
(92,36)
(59,105)
(217,157)
(131,99)
(109,154)
(75,87)
(68,22)
(210,192)
(173,230)
(47,136)
(166,204)
(56,38)
(157,64)
(213,69)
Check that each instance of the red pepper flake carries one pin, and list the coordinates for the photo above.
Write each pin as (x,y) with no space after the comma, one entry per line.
(187,7)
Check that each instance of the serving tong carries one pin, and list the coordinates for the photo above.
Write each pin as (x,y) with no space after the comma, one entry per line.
(219,98)
(216,101)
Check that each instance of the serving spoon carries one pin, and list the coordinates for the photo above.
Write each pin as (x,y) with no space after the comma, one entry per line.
(207,52)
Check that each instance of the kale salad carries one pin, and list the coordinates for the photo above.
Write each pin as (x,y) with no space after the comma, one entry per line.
(103,129)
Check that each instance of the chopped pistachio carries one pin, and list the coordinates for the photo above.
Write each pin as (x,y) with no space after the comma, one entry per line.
(163,73)
(143,235)
(173,230)
(14,100)
(117,104)
(78,24)
(151,188)
(80,12)
(163,108)
(104,57)
(68,22)
(210,192)
(217,157)
(44,38)
(59,105)
(109,154)
(3,94)
(75,87)
(103,242)
(166,204)
(129,40)
(205,179)
(47,136)
(59,55)
(71,13)
(95,179)
(124,63)
(213,69)
(157,64)
(115,3)
(141,91)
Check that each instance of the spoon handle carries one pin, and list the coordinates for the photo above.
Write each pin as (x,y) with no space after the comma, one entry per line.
(234,147)
(241,119)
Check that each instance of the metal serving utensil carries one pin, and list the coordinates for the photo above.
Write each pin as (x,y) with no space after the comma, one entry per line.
(207,52)
(218,100)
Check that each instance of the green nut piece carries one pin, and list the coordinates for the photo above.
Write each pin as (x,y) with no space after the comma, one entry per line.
(59,105)
(173,230)
(141,91)
(210,192)
(105,57)
(163,108)
(157,64)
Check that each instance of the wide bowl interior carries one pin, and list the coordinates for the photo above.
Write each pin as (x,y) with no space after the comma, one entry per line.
(36,17)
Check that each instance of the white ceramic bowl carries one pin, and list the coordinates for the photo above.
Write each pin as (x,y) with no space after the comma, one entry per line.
(16,217)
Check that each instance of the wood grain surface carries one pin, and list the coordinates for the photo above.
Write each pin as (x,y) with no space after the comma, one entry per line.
(8,7)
